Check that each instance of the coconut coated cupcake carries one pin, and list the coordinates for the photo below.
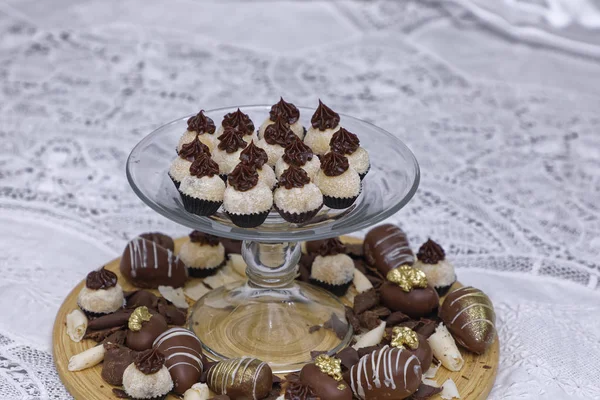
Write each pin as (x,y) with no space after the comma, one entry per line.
(324,123)
(339,183)
(298,154)
(332,269)
(180,167)
(297,199)
(101,293)
(347,143)
(275,138)
(431,259)
(203,127)
(202,190)
(247,201)
(203,254)
(241,123)
(289,112)
(147,377)
(257,158)
(228,150)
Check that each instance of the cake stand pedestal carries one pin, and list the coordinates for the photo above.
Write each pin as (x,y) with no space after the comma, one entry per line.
(270,316)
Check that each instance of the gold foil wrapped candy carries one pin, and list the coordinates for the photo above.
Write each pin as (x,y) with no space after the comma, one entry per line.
(404,337)
(241,378)
(139,315)
(407,277)
(469,315)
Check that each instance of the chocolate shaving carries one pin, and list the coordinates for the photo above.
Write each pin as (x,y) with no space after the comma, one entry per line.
(116,319)
(117,337)
(381,312)
(314,328)
(336,325)
(369,320)
(366,300)
(396,318)
(149,361)
(172,314)
(140,298)
(316,353)
(120,393)
(348,356)
(353,319)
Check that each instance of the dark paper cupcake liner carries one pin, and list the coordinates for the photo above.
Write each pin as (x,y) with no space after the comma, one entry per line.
(338,290)
(92,314)
(443,290)
(198,206)
(175,182)
(205,272)
(339,202)
(362,176)
(248,220)
(224,177)
(161,397)
(296,218)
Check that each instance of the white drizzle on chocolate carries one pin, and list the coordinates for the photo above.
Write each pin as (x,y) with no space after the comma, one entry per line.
(139,256)
(221,373)
(399,255)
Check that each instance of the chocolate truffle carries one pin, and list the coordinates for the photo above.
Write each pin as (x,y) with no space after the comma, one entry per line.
(387,373)
(147,377)
(406,290)
(347,143)
(298,154)
(241,378)
(386,247)
(332,269)
(289,112)
(146,264)
(405,338)
(324,123)
(199,126)
(339,183)
(431,259)
(325,378)
(276,137)
(203,254)
(202,190)
(183,357)
(101,293)
(144,327)
(469,315)
(297,199)
(247,201)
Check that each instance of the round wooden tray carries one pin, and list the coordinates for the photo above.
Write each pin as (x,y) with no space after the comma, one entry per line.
(474,381)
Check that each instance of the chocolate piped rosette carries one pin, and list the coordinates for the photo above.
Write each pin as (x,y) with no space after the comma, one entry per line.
(403,332)
(199,126)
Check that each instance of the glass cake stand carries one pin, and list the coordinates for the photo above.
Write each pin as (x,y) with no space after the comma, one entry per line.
(269,315)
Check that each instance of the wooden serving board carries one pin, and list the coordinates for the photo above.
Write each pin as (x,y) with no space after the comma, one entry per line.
(474,381)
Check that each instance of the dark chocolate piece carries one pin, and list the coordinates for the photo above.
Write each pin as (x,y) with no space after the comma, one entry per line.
(425,391)
(118,318)
(297,153)
(183,352)
(293,177)
(336,325)
(239,121)
(331,247)
(353,320)
(312,246)
(386,247)
(201,124)
(323,385)
(254,156)
(324,118)
(396,318)
(415,303)
(348,356)
(117,337)
(334,164)
(369,320)
(289,111)
(160,239)
(243,178)
(143,338)
(172,314)
(344,142)
(232,246)
(101,279)
(116,359)
(365,300)
(145,264)
(469,315)
(431,253)
(231,141)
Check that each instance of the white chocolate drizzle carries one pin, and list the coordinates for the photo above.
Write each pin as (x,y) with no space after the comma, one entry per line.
(399,254)
(227,372)
(185,351)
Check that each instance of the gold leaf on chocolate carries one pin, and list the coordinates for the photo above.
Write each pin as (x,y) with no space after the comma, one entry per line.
(331,366)
(137,317)
(407,277)
(404,337)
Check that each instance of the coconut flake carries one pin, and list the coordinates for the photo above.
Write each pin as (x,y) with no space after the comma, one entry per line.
(175,296)
(361,283)
(198,391)
(194,289)
(433,369)
(237,263)
(87,359)
(77,324)
(371,338)
(429,382)
(449,390)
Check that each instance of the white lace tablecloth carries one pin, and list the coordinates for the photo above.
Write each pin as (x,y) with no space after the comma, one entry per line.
(507,132)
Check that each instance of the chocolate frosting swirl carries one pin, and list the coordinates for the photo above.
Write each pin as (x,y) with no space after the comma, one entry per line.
(149,361)
(243,177)
(239,121)
(334,164)
(279,132)
(204,166)
(294,177)
(344,142)
(324,118)
(288,110)
(231,140)
(331,247)
(190,151)
(297,153)
(101,279)
(431,252)
(204,238)
(254,155)
(201,124)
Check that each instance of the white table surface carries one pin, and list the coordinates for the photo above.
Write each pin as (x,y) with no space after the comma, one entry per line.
(505,124)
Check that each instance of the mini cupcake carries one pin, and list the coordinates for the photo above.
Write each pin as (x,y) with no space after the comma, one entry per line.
(228,150)
(289,112)
(298,154)
(347,143)
(202,190)
(247,201)
(101,293)
(324,123)
(431,259)
(240,122)
(297,199)
(333,269)
(203,127)
(339,183)
(147,377)
(275,138)
(257,158)
(180,167)
(203,254)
